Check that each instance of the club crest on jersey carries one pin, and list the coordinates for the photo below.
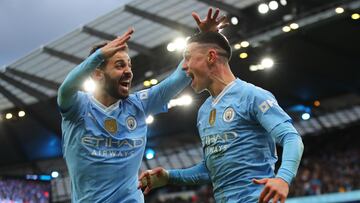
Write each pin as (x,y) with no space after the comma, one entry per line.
(212,117)
(229,114)
(111,125)
(131,123)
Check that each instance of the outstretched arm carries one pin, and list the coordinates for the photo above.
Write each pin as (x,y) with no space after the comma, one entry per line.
(70,86)
(159,177)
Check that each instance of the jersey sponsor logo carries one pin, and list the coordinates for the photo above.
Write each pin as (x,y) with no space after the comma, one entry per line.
(229,114)
(110,147)
(216,138)
(131,123)
(111,125)
(217,143)
(111,153)
(109,142)
(144,94)
(266,105)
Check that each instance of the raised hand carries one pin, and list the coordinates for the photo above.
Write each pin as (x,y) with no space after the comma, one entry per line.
(152,179)
(211,23)
(275,188)
(117,44)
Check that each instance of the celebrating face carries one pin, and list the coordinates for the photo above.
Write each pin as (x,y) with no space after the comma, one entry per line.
(118,75)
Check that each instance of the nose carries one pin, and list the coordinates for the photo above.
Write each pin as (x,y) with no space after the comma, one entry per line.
(128,72)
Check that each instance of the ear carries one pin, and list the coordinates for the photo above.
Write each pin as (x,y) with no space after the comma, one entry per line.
(212,56)
(98,75)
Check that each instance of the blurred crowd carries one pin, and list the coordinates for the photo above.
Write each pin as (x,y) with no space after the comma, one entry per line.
(328,173)
(23,191)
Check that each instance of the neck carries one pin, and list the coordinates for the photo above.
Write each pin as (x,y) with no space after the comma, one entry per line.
(220,78)
(104,98)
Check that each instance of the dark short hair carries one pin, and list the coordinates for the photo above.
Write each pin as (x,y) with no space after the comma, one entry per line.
(99,46)
(212,38)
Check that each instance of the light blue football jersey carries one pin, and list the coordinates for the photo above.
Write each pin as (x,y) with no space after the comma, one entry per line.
(104,146)
(235,133)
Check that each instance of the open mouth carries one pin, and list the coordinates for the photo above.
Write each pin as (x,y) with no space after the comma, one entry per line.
(125,84)
(191,76)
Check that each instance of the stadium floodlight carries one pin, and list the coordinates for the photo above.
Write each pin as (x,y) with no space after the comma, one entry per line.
(149,153)
(180,43)
(8,116)
(147,83)
(253,68)
(286,29)
(89,85)
(234,20)
(294,26)
(267,63)
(283,2)
(355,16)
(54,174)
(185,100)
(339,10)
(245,44)
(243,55)
(149,119)
(273,5)
(21,113)
(263,8)
(171,47)
(305,116)
(237,46)
(153,81)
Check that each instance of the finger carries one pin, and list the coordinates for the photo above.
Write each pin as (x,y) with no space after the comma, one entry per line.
(222,19)
(276,198)
(147,190)
(129,31)
(263,193)
(216,14)
(261,181)
(196,18)
(269,195)
(282,200)
(143,174)
(122,40)
(223,25)
(148,179)
(120,48)
(209,13)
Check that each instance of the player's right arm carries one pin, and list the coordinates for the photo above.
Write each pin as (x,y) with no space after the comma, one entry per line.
(67,93)
(159,177)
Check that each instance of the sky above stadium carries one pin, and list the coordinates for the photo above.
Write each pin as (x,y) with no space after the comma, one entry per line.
(25,25)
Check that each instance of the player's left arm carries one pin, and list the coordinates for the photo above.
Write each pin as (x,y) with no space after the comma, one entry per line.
(278,124)
(159,95)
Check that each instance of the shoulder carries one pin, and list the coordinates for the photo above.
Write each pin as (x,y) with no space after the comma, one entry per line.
(254,92)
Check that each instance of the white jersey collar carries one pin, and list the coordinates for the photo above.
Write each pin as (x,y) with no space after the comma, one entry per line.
(223,92)
(102,107)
